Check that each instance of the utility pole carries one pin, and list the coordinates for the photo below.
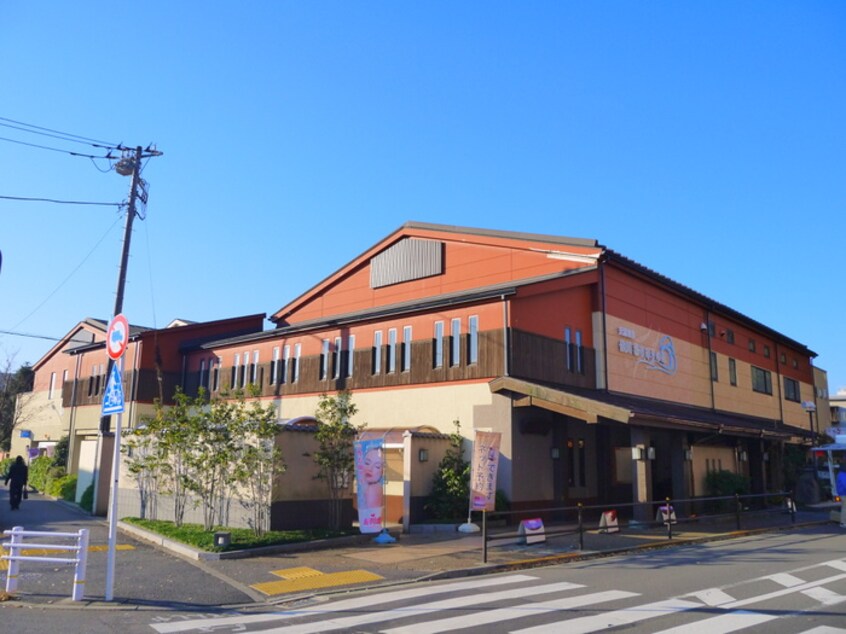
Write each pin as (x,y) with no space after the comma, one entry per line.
(129,164)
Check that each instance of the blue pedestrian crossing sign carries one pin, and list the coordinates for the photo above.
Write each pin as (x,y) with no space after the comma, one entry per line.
(113,397)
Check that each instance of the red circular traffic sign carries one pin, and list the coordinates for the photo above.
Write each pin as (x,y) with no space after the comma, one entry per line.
(117,336)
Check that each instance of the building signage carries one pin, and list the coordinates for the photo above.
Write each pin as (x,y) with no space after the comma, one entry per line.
(662,358)
(483,471)
(369,469)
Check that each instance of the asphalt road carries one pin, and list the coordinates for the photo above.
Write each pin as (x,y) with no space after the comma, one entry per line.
(775,583)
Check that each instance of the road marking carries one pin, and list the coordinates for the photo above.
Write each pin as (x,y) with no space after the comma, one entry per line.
(316,582)
(786,580)
(507,614)
(382,614)
(824,596)
(586,624)
(781,593)
(357,603)
(825,629)
(712,597)
(43,552)
(839,564)
(723,624)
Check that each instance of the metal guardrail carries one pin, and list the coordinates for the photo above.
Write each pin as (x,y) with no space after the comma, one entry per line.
(738,506)
(16,546)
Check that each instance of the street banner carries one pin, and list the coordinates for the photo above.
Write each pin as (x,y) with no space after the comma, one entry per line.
(483,474)
(369,469)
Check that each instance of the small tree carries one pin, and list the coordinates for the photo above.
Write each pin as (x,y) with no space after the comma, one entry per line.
(259,460)
(15,397)
(145,464)
(335,435)
(450,497)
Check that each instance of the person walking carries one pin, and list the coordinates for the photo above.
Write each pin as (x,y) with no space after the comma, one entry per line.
(18,474)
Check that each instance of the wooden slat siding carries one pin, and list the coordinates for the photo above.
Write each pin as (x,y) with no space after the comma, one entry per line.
(544,360)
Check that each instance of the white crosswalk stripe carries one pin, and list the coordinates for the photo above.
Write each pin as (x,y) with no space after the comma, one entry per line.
(722,624)
(506,614)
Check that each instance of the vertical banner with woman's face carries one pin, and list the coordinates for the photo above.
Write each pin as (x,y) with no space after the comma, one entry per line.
(483,473)
(369,467)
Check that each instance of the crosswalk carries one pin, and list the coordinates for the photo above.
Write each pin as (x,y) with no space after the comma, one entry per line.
(526,604)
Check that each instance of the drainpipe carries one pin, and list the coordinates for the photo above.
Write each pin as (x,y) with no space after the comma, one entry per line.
(710,370)
(506,360)
(604,323)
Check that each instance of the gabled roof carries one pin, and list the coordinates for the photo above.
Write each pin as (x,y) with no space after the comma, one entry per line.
(564,247)
(90,325)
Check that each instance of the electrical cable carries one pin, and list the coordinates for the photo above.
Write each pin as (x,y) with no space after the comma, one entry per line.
(56,136)
(67,134)
(60,202)
(54,149)
(64,281)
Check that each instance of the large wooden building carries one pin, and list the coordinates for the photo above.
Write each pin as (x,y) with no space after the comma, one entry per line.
(608,381)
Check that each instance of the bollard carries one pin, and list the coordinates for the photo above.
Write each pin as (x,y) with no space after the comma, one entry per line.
(484,537)
(581,529)
(737,509)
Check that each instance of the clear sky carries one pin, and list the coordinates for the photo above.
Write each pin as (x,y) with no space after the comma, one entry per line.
(703,140)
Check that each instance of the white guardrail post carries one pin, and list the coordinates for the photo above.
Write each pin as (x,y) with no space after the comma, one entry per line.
(16,545)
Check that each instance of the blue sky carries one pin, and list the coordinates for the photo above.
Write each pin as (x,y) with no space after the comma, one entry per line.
(704,140)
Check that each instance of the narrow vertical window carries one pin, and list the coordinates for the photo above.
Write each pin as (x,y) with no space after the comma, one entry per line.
(336,358)
(406,348)
(580,353)
(235,366)
(733,372)
(52,385)
(202,378)
(286,360)
(324,358)
(376,361)
(455,342)
(254,367)
(473,339)
(392,350)
(297,351)
(64,378)
(274,365)
(350,354)
(568,348)
(216,375)
(438,352)
(582,463)
(714,372)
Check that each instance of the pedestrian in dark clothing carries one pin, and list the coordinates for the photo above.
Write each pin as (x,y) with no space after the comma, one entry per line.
(18,474)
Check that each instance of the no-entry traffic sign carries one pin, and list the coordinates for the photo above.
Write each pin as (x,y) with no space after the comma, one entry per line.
(117,336)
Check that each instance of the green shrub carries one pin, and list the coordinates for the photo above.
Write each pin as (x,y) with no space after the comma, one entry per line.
(450,497)
(5,463)
(722,483)
(63,487)
(38,472)
(87,500)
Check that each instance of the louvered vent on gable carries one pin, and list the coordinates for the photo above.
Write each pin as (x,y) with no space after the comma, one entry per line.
(409,259)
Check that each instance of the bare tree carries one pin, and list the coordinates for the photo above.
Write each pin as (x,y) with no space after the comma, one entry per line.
(16,397)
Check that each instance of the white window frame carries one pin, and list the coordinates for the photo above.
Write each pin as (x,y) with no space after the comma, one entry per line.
(438,357)
(350,354)
(405,360)
(324,360)
(52,386)
(377,352)
(336,363)
(392,350)
(202,373)
(298,348)
(473,340)
(455,342)
(254,368)
(236,365)
(274,365)
(286,359)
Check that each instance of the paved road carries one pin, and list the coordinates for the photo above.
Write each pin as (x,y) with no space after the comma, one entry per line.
(776,583)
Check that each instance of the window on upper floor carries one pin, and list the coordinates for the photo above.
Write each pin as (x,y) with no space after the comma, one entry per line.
(350,354)
(438,345)
(766,351)
(791,390)
(215,372)
(729,335)
(201,382)
(455,342)
(751,345)
(715,375)
(580,353)
(568,348)
(298,349)
(762,381)
(254,368)
(52,385)
(286,362)
(376,353)
(235,371)
(733,372)
(473,339)
(405,357)
(392,350)
(274,366)
(336,358)
(324,359)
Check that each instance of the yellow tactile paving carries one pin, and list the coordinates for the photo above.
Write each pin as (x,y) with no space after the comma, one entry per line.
(296,573)
(327,580)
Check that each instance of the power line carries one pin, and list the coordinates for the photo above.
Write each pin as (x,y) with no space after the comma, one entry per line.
(65,134)
(61,202)
(54,149)
(57,136)
(26,334)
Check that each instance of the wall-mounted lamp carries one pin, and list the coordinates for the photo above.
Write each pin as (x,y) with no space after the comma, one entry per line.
(743,455)
(650,453)
(423,455)
(703,327)
(766,456)
(554,453)
(688,454)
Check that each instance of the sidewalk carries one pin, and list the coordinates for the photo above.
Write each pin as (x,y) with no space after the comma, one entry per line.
(148,576)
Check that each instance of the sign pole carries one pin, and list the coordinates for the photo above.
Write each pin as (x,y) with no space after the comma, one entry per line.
(113,499)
